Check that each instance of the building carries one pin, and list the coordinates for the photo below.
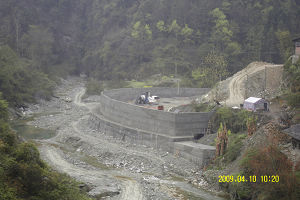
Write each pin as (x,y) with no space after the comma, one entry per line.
(254,104)
(295,57)
(294,132)
(297,46)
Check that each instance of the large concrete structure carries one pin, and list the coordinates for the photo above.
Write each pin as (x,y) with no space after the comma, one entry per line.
(155,128)
(115,107)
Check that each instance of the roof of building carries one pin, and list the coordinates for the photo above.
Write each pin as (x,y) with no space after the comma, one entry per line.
(293,131)
(297,39)
(252,99)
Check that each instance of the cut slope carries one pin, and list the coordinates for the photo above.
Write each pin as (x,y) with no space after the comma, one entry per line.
(237,89)
(232,91)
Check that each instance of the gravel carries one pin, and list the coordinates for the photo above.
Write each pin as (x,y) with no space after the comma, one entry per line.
(121,170)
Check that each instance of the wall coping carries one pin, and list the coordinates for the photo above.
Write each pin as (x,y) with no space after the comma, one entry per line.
(141,107)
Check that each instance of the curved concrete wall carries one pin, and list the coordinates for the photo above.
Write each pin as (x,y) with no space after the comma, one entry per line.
(195,152)
(115,107)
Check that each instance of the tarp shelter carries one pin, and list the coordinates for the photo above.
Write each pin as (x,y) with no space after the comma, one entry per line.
(254,103)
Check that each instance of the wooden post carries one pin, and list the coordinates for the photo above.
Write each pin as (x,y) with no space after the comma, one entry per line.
(265,83)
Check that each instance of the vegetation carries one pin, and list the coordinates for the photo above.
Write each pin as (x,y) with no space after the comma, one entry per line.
(235,119)
(199,41)
(292,76)
(23,175)
(270,161)
(233,150)
(235,144)
(20,83)
(202,107)
(94,87)
(222,140)
(294,99)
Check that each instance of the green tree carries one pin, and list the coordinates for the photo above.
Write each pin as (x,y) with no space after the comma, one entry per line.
(39,42)
(3,109)
(285,44)
(222,34)
(174,28)
(148,32)
(187,32)
(136,32)
(160,25)
(20,83)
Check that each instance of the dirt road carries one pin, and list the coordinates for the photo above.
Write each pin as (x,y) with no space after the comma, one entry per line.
(101,180)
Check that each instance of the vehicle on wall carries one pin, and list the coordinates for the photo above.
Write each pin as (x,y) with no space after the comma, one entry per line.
(146,98)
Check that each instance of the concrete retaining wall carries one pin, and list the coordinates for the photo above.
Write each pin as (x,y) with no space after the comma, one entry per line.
(115,107)
(197,153)
(167,131)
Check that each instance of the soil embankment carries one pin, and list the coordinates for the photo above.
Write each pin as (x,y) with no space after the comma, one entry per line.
(258,79)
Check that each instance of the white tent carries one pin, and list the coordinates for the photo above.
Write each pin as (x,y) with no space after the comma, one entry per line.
(254,103)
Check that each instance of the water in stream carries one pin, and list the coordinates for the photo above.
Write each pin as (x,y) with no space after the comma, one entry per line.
(30,132)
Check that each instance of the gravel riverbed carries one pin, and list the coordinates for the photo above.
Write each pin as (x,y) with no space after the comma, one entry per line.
(110,168)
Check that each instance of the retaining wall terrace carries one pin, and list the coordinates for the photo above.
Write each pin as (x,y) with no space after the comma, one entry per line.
(195,152)
(115,107)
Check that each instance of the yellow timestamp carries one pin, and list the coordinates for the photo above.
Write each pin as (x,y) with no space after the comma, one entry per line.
(250,179)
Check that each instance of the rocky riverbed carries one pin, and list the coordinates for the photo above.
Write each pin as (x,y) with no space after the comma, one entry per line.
(110,168)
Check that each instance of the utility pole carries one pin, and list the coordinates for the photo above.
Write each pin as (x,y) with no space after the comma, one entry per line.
(177,79)
(246,92)
(265,83)
(178,87)
(175,68)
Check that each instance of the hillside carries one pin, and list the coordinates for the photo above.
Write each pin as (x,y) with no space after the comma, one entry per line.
(135,39)
(257,143)
(258,79)
(51,50)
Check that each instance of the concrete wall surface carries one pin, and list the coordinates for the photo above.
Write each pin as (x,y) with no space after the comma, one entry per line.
(131,135)
(197,153)
(115,107)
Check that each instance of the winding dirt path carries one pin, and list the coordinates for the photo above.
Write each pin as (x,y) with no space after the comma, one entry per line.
(130,188)
(64,156)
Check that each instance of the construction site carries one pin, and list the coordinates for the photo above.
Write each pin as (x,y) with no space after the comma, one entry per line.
(138,143)
(151,123)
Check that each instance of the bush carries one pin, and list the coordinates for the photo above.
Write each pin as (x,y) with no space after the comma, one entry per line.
(94,87)
(294,99)
(235,120)
(292,75)
(201,107)
(270,161)
(240,190)
(235,144)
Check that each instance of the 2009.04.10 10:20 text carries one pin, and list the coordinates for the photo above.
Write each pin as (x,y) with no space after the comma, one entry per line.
(251,179)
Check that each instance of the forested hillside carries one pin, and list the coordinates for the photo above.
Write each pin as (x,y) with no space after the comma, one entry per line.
(200,41)
(23,175)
